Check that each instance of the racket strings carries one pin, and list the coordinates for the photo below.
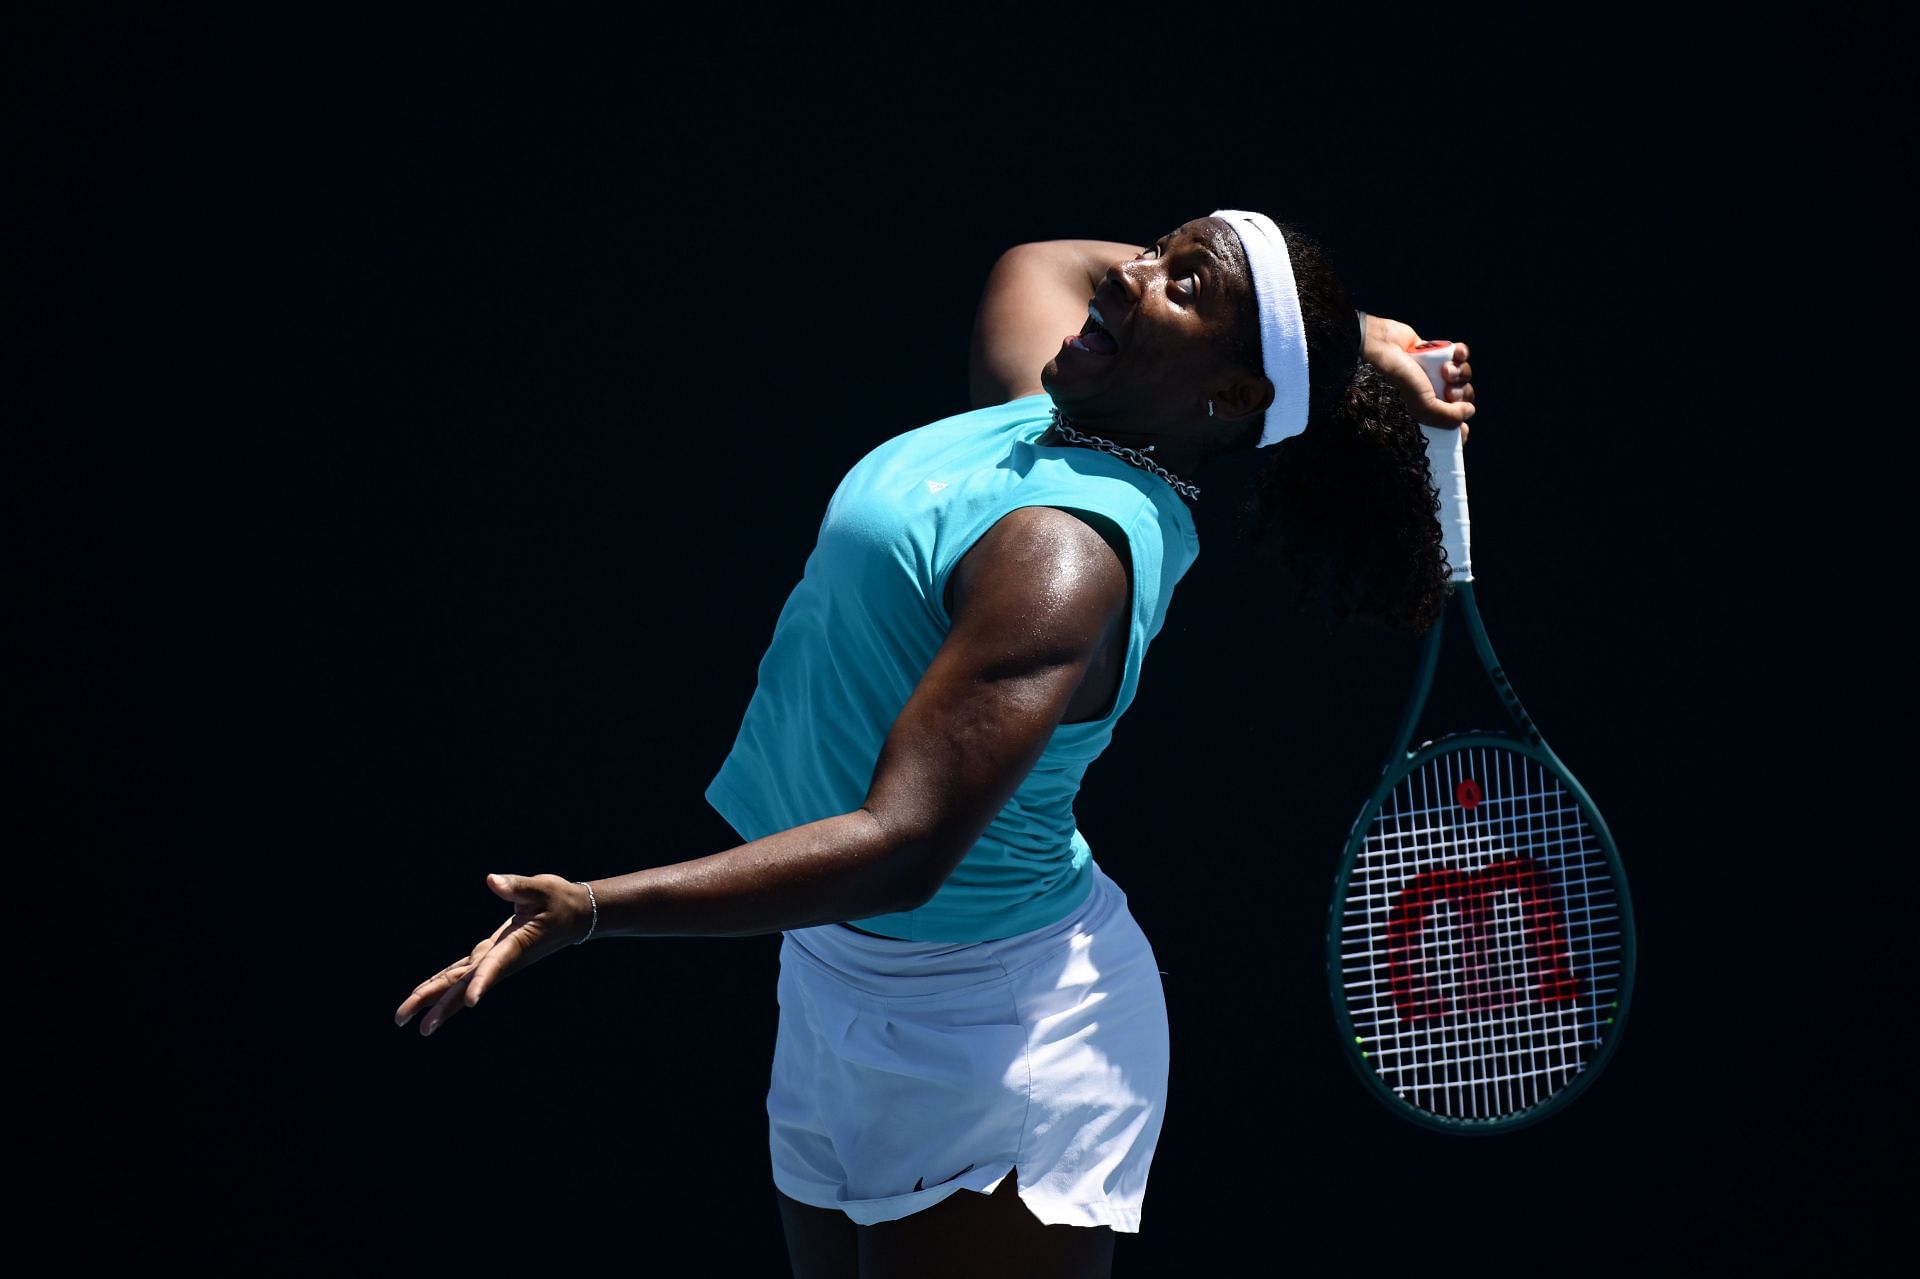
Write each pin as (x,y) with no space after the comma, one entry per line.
(1481,947)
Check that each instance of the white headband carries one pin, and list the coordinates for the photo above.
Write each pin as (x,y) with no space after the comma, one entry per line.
(1283,338)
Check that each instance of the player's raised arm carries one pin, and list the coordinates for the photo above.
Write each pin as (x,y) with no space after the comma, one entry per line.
(1035,296)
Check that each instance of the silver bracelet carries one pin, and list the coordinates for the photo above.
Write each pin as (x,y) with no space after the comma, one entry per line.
(1363,331)
(595,903)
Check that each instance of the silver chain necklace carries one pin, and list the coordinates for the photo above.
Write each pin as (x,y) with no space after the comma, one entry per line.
(1136,456)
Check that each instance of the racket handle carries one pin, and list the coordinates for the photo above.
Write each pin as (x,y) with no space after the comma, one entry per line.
(1447,459)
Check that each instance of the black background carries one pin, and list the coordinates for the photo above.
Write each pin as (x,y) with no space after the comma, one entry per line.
(426,419)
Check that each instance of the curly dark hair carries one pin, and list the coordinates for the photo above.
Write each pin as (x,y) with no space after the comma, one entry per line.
(1347,509)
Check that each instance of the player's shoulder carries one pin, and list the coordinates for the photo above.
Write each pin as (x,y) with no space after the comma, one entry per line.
(1042,528)
(1048,557)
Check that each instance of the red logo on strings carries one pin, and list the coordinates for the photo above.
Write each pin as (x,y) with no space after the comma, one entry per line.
(1468,793)
(1490,972)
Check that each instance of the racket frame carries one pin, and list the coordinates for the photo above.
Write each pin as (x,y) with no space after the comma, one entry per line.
(1400,762)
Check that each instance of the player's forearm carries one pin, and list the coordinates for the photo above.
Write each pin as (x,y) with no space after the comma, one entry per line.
(839,868)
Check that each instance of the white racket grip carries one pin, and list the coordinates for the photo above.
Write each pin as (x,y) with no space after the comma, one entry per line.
(1447,460)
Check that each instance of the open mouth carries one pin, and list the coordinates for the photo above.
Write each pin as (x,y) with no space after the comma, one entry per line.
(1093,337)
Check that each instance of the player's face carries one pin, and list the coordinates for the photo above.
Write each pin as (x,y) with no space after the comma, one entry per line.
(1158,338)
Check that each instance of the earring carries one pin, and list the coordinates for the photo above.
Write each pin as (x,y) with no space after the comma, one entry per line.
(1209,408)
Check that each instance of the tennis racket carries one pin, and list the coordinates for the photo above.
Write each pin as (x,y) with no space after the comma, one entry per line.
(1480,945)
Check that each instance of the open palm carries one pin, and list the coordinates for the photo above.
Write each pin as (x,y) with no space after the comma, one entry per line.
(549,913)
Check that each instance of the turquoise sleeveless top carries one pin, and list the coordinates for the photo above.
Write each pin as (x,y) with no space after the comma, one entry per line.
(863,624)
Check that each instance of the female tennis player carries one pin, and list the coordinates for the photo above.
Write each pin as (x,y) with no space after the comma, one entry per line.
(970,1069)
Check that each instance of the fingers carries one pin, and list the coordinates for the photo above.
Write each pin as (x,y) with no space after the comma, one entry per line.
(1460,375)
(431,989)
(1454,409)
(431,993)
(1459,381)
(500,962)
(450,1002)
(1455,405)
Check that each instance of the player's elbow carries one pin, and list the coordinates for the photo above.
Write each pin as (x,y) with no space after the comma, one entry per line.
(920,853)
(916,892)
(1033,258)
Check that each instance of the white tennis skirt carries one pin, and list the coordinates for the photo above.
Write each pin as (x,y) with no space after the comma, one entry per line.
(905,1072)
